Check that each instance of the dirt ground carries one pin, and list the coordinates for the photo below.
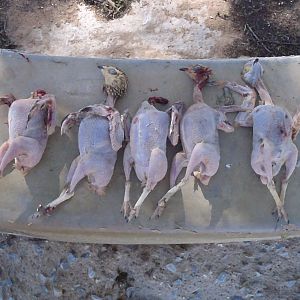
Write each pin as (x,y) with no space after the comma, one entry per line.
(37,269)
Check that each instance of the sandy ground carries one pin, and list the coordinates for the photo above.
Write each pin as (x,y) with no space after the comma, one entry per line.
(36,269)
(172,29)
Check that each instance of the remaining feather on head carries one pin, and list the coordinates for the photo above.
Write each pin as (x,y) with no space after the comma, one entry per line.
(115,81)
(200,74)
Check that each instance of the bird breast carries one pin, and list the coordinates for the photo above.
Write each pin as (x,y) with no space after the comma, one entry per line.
(273,123)
(149,130)
(94,133)
(198,125)
(18,116)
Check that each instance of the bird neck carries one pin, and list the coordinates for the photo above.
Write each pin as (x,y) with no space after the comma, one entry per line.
(110,100)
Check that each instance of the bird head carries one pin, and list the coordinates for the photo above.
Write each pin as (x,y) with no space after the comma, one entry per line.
(200,74)
(252,72)
(115,81)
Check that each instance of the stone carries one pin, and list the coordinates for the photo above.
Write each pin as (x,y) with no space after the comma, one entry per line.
(91,273)
(222,278)
(171,268)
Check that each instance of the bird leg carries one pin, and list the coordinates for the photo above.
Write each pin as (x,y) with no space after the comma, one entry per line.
(196,158)
(179,162)
(127,165)
(279,205)
(157,170)
(76,173)
(176,114)
(244,117)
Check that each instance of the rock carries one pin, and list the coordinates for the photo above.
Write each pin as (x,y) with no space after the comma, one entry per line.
(290,283)
(279,246)
(85,255)
(42,278)
(171,268)
(80,290)
(94,297)
(177,282)
(130,292)
(14,258)
(37,249)
(178,259)
(57,292)
(64,265)
(235,297)
(53,276)
(283,254)
(259,294)
(71,258)
(91,273)
(222,278)
(6,283)
(196,295)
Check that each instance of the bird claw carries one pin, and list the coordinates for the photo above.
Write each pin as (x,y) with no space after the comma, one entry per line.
(159,209)
(126,208)
(134,213)
(43,211)
(281,214)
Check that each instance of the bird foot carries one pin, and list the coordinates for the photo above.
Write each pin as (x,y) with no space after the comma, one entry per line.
(134,213)
(281,214)
(126,209)
(159,209)
(43,211)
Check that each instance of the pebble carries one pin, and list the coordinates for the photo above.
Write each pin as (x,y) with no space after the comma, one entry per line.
(196,295)
(53,276)
(57,293)
(14,257)
(279,246)
(222,278)
(178,259)
(235,297)
(3,245)
(64,265)
(42,278)
(228,166)
(259,294)
(85,255)
(290,283)
(80,290)
(95,297)
(37,249)
(177,282)
(284,254)
(71,258)
(6,282)
(130,292)
(91,273)
(171,268)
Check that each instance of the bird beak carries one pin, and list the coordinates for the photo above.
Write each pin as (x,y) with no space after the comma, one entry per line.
(100,67)
(183,69)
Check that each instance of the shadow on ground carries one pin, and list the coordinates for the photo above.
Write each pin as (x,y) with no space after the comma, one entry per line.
(270,28)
